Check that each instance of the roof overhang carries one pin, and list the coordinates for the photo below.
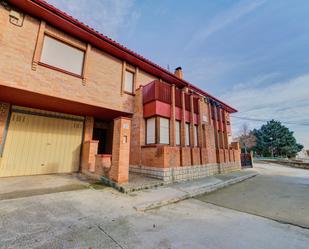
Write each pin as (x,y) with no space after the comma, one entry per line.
(44,11)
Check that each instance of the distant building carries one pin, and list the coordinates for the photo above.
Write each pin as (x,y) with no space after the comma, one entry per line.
(303,155)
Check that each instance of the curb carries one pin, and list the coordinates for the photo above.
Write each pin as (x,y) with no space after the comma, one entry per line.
(186,195)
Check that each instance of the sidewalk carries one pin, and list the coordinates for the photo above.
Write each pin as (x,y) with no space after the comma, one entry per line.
(168,194)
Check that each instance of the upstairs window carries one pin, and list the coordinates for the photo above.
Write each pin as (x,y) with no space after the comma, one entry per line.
(62,56)
(129,82)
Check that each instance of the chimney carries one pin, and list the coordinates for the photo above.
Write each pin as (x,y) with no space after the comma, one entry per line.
(178,72)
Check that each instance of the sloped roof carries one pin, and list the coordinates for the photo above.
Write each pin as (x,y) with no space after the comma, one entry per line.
(61,20)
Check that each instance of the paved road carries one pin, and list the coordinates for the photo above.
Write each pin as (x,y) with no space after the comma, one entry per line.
(107,219)
(280,193)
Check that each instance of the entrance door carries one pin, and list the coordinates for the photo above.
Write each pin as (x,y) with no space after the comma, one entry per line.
(41,142)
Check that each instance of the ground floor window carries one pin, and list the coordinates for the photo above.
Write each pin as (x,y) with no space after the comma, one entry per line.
(151,131)
(195,135)
(178,132)
(164,131)
(187,134)
(157,130)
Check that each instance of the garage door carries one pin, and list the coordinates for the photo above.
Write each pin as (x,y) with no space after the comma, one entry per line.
(41,142)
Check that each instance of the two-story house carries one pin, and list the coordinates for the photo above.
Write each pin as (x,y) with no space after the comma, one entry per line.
(73,100)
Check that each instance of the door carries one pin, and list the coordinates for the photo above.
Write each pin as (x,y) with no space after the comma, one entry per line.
(41,142)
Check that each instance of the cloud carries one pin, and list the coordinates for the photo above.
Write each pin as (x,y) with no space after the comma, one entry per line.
(107,16)
(284,101)
(223,20)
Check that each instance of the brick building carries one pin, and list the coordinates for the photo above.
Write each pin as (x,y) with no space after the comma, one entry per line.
(72,99)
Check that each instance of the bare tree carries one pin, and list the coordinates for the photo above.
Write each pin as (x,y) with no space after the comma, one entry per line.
(246,139)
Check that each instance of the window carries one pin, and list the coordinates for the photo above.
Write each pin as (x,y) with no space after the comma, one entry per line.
(195,136)
(151,131)
(60,55)
(187,134)
(129,82)
(178,132)
(164,131)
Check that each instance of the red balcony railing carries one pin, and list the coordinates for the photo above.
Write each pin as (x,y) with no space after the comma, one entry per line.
(177,97)
(157,90)
(187,102)
(195,105)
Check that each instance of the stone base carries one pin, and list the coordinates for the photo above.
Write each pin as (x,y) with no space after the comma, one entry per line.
(185,173)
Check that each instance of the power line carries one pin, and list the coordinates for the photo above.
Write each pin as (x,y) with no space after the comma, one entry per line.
(266,120)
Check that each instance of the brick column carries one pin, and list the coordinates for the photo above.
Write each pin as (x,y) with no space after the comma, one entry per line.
(173,120)
(192,139)
(201,132)
(121,150)
(138,129)
(90,147)
(88,128)
(183,121)
(4,115)
(226,141)
(215,122)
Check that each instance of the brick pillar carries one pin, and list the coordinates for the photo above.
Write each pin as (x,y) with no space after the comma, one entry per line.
(173,120)
(137,129)
(90,147)
(191,121)
(201,132)
(88,128)
(183,121)
(226,140)
(4,115)
(121,150)
(215,122)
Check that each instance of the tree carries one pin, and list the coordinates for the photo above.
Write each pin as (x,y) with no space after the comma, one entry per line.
(247,139)
(274,139)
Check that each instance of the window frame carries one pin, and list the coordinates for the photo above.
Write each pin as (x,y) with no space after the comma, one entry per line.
(68,43)
(187,134)
(196,135)
(133,81)
(179,134)
(168,129)
(155,131)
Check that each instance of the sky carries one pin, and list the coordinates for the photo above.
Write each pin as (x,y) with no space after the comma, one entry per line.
(252,54)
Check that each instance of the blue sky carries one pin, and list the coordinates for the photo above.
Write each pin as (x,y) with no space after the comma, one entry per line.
(253,54)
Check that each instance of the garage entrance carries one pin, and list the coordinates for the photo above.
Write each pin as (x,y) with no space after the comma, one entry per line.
(41,142)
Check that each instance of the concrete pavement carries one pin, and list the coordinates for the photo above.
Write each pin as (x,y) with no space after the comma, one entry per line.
(278,192)
(23,186)
(106,219)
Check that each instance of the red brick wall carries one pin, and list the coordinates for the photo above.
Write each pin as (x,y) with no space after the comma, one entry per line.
(196,156)
(104,72)
(185,153)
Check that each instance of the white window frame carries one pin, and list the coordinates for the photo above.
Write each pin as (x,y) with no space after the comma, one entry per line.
(164,136)
(53,54)
(178,132)
(128,87)
(151,130)
(187,132)
(195,130)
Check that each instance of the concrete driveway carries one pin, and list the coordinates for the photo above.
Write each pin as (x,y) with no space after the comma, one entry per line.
(106,219)
(23,186)
(280,193)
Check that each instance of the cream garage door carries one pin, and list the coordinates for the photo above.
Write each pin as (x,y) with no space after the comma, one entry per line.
(41,142)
